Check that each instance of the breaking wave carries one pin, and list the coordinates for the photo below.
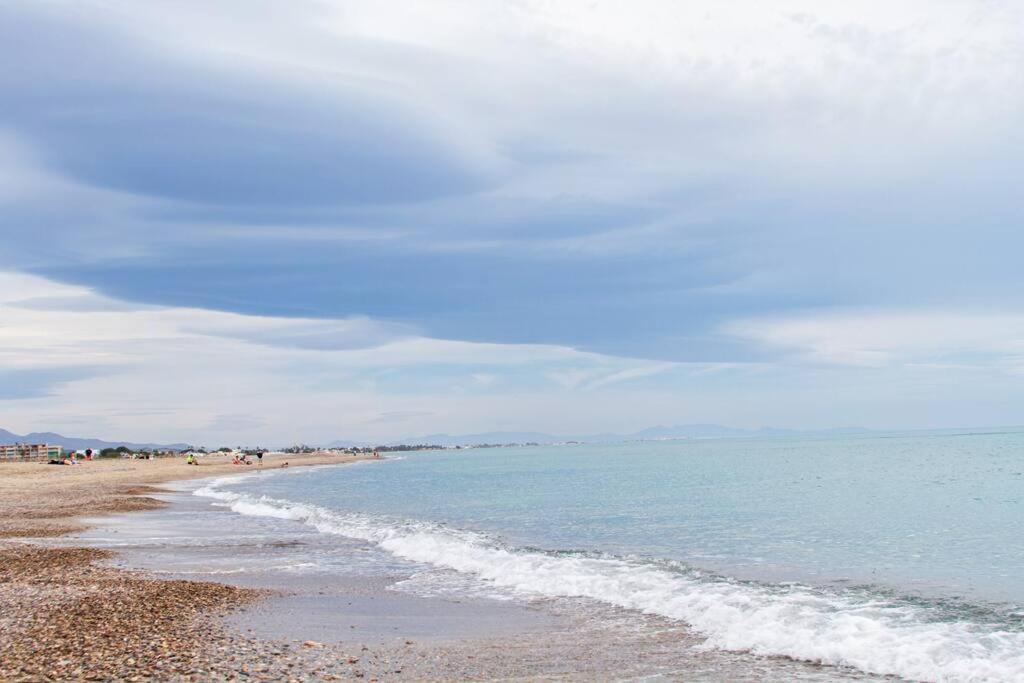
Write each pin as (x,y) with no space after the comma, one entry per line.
(867,631)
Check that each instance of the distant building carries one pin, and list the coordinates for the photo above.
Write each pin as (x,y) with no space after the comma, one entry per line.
(30,451)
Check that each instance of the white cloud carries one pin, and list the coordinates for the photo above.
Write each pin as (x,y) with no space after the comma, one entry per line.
(597,377)
(484,379)
(751,82)
(700,89)
(631,373)
(175,374)
(572,378)
(880,338)
(162,372)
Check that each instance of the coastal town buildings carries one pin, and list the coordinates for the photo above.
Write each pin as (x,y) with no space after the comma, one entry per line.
(30,451)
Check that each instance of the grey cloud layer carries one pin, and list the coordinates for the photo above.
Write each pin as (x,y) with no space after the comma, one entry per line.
(537,190)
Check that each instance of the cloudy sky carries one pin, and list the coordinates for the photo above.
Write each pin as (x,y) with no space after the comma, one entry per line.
(244,222)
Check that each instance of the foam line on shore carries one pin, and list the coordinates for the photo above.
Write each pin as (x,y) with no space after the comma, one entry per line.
(871,633)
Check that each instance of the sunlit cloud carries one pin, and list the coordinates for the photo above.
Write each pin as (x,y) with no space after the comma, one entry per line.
(924,338)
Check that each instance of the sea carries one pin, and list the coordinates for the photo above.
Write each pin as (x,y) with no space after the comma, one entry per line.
(894,555)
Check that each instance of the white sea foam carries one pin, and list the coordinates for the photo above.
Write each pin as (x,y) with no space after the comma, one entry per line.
(878,635)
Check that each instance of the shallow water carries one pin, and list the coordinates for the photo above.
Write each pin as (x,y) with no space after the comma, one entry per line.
(937,514)
(338,589)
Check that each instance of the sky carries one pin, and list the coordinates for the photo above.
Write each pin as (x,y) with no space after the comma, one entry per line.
(280,222)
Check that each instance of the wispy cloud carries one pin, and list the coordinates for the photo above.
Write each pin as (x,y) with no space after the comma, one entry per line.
(398,416)
(168,368)
(595,378)
(484,379)
(878,338)
(630,373)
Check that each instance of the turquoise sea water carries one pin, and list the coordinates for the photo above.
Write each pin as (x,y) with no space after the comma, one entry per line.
(901,554)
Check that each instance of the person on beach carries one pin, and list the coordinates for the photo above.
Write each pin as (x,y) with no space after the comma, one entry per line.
(259,458)
(191,459)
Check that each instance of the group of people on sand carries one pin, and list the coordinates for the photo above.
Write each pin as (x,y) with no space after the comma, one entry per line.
(242,460)
(237,460)
(71,459)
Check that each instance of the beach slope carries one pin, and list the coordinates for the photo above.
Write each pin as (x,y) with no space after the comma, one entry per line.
(64,615)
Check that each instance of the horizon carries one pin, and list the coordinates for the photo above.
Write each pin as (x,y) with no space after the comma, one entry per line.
(524,438)
(334,220)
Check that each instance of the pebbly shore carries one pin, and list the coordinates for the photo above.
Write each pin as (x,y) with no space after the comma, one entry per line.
(67,615)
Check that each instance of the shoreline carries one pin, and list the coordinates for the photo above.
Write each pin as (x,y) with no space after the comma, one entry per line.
(64,614)
(67,613)
(106,486)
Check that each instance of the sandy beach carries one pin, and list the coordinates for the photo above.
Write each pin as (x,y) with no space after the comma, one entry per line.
(64,616)
(46,500)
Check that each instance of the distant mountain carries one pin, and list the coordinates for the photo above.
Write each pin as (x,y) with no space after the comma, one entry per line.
(695,431)
(713,431)
(658,433)
(76,443)
(486,437)
(451,440)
